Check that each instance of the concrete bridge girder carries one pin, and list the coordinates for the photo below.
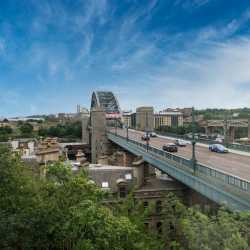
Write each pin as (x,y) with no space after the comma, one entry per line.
(195,181)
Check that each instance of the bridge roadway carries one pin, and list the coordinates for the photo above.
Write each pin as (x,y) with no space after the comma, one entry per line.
(235,164)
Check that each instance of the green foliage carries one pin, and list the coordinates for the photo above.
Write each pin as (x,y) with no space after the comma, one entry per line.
(4,138)
(5,129)
(180,130)
(5,120)
(240,132)
(26,128)
(70,130)
(197,230)
(208,116)
(61,212)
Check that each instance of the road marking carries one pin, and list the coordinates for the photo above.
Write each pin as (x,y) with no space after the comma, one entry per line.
(200,152)
(218,157)
(241,163)
(234,168)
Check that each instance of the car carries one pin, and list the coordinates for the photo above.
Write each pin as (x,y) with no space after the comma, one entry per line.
(180,143)
(152,134)
(218,148)
(170,147)
(145,137)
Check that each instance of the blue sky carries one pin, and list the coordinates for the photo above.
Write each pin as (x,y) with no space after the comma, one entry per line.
(160,53)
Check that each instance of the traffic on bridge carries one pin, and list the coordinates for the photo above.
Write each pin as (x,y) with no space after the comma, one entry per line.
(236,164)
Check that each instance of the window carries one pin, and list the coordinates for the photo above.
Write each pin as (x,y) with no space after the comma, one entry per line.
(145,204)
(128,176)
(159,227)
(158,207)
(105,184)
(146,226)
(122,192)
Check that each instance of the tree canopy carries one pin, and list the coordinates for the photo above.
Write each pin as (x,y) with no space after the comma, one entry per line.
(60,212)
(194,229)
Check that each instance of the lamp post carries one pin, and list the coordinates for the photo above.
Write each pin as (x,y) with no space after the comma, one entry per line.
(186,126)
(127,132)
(226,129)
(147,128)
(193,160)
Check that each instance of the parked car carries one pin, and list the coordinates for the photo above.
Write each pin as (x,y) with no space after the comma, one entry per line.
(202,136)
(218,148)
(170,147)
(152,134)
(190,136)
(145,137)
(180,143)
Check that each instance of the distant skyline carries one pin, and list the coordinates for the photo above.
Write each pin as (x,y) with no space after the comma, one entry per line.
(160,53)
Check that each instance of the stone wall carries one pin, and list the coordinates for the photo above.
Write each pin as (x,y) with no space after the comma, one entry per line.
(141,118)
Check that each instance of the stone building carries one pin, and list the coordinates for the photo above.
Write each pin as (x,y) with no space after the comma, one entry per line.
(172,119)
(144,118)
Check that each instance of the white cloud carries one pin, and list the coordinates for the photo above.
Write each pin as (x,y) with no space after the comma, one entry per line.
(194,3)
(215,76)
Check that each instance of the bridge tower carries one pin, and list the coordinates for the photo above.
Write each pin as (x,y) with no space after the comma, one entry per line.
(99,141)
(85,130)
(141,114)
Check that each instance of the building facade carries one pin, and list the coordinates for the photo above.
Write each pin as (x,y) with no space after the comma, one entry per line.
(172,119)
(184,111)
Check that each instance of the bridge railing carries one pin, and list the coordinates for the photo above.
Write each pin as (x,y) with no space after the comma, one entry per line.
(229,145)
(229,181)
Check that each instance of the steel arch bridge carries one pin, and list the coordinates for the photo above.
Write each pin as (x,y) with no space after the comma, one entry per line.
(108,100)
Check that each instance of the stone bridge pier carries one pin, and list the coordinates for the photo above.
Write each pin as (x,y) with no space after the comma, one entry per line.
(209,130)
(229,134)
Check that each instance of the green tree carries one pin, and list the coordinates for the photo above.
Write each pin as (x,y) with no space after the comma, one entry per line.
(208,116)
(60,212)
(196,230)
(43,131)
(5,120)
(26,128)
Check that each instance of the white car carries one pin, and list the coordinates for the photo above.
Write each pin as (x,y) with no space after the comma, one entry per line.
(180,143)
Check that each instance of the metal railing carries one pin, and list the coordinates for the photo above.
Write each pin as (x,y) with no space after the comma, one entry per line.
(229,145)
(229,181)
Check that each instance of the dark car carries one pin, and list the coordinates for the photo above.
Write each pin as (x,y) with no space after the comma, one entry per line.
(145,137)
(152,134)
(170,147)
(218,148)
(180,143)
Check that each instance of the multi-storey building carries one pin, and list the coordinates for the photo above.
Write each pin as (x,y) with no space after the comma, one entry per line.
(172,119)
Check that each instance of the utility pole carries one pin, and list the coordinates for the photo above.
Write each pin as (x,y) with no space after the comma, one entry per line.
(147,128)
(127,132)
(193,160)
(226,129)
(186,126)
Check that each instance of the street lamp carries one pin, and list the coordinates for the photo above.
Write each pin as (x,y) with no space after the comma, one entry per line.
(147,128)
(226,129)
(186,126)
(127,132)
(193,160)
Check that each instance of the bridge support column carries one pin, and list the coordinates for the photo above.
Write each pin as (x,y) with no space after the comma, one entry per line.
(248,130)
(229,134)
(85,131)
(141,118)
(99,139)
(209,130)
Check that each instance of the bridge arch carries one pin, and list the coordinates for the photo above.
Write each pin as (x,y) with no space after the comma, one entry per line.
(108,100)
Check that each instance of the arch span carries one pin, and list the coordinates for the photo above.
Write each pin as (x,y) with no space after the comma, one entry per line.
(108,100)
